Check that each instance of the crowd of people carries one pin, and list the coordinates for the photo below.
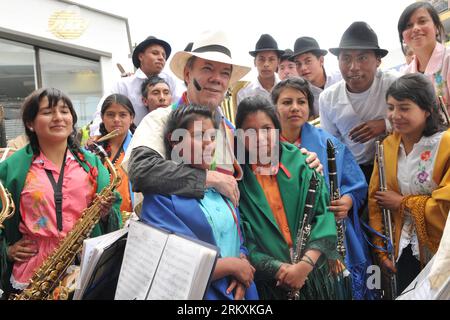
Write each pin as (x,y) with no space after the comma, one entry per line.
(252,185)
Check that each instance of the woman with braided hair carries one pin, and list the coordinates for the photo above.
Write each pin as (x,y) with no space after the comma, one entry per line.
(117,113)
(51,181)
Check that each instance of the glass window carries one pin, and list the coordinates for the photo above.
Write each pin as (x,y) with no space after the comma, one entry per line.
(17,80)
(78,78)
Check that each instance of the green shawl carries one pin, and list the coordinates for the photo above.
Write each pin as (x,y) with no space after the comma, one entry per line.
(13,172)
(263,238)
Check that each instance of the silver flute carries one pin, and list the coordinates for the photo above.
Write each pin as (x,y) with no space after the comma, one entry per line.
(387,222)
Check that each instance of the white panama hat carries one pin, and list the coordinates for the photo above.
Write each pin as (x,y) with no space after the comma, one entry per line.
(211,45)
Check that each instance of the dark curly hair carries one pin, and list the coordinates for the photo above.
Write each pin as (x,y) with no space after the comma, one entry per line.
(30,109)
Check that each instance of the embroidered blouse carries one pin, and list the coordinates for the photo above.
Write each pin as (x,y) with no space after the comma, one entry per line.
(414,174)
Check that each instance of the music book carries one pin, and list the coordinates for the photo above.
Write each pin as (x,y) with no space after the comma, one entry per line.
(101,258)
(158,265)
(420,289)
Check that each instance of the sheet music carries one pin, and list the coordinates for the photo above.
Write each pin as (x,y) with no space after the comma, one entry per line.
(91,252)
(420,288)
(86,255)
(142,254)
(176,270)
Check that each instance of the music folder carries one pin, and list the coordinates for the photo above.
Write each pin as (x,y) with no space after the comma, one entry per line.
(158,265)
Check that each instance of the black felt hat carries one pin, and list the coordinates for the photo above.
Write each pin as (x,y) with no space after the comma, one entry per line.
(266,43)
(147,42)
(359,36)
(305,45)
(286,55)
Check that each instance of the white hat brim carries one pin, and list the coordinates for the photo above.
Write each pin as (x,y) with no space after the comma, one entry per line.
(179,60)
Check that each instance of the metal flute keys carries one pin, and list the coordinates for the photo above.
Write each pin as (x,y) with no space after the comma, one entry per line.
(335,194)
(387,222)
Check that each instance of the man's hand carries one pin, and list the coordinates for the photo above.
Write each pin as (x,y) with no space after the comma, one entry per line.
(368,130)
(312,160)
(224,184)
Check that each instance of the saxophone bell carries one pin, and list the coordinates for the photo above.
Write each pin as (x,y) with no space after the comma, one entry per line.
(8,206)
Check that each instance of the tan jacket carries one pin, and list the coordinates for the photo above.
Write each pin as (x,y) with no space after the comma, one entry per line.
(429,212)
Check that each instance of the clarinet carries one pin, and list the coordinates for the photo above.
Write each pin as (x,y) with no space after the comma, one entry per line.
(335,194)
(387,223)
(304,232)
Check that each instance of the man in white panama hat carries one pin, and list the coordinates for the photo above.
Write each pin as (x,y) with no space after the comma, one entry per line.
(208,70)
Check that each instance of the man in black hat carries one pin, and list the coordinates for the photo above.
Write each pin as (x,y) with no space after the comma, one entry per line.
(149,58)
(354,109)
(309,60)
(267,57)
(287,68)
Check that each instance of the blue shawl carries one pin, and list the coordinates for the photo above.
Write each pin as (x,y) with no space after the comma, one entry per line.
(184,216)
(352,183)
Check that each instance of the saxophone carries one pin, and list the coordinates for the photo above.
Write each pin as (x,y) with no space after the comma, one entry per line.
(49,275)
(8,206)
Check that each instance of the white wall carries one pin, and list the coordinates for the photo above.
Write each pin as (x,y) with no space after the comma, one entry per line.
(103,33)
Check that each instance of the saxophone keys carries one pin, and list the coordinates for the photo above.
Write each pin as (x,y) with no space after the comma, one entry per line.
(53,275)
(43,287)
(59,266)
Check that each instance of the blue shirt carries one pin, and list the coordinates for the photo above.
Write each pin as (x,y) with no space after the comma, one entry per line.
(223,224)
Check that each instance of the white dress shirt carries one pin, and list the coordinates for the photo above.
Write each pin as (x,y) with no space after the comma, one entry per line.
(414,175)
(338,116)
(331,79)
(255,88)
(131,87)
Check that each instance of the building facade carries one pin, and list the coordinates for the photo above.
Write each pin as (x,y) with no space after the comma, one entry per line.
(57,43)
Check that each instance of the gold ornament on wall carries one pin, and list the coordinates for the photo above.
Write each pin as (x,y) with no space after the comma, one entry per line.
(67,23)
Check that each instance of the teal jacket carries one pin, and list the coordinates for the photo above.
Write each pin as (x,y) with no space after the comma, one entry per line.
(13,172)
